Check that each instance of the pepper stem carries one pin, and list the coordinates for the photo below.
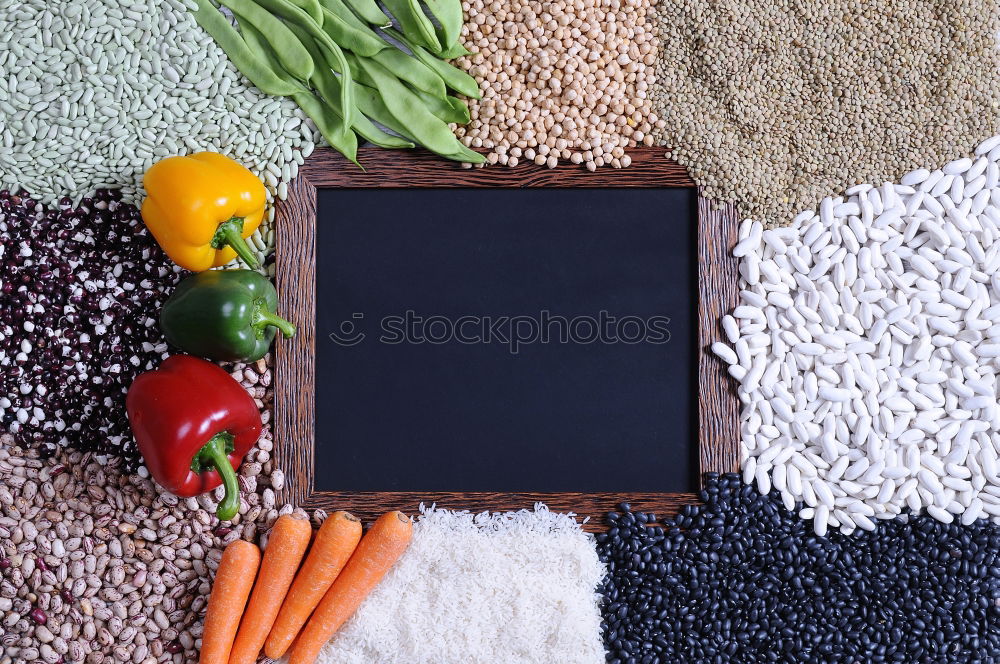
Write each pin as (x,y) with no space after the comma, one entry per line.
(213,454)
(263,318)
(230,233)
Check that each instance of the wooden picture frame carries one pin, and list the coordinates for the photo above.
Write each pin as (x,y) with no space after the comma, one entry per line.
(294,407)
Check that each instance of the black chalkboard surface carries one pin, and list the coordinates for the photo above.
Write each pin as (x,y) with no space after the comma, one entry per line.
(506,340)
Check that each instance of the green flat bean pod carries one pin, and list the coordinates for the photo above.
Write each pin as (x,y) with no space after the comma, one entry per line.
(328,86)
(410,112)
(290,52)
(367,129)
(414,22)
(343,11)
(311,7)
(249,64)
(466,155)
(329,125)
(453,77)
(361,76)
(449,15)
(361,40)
(335,57)
(323,79)
(449,109)
(367,10)
(257,43)
(370,104)
(407,68)
(370,132)
(456,50)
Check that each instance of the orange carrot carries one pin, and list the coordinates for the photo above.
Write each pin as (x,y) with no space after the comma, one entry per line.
(378,551)
(285,548)
(335,542)
(233,582)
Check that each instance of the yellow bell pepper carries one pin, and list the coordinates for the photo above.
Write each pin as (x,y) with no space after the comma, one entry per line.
(200,208)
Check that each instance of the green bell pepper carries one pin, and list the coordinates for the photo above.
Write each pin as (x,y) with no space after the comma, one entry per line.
(223,315)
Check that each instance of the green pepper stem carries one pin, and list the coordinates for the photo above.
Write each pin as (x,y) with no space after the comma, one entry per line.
(231,233)
(263,318)
(213,454)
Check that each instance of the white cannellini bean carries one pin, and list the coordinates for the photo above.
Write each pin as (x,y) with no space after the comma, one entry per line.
(821,519)
(867,344)
(727,354)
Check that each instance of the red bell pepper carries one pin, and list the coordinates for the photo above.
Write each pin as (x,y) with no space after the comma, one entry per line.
(194,424)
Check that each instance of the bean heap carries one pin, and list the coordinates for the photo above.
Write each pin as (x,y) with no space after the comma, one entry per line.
(741,579)
(93,92)
(867,349)
(771,104)
(81,291)
(560,80)
(295,49)
(100,565)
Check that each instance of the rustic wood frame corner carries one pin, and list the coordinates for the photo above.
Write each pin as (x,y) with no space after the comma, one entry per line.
(294,407)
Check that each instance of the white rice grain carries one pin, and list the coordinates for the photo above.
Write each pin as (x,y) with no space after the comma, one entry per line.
(519,587)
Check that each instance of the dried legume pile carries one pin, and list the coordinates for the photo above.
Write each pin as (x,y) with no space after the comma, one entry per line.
(867,350)
(560,80)
(487,588)
(741,579)
(92,93)
(82,288)
(773,104)
(101,565)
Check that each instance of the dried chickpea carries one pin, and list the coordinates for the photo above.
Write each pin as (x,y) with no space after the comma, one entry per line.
(560,77)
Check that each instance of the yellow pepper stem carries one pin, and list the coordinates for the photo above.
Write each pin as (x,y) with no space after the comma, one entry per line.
(231,233)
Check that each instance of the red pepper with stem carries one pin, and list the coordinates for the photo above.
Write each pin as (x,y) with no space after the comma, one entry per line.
(194,424)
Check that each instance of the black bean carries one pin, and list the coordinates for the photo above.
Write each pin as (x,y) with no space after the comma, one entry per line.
(741,579)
